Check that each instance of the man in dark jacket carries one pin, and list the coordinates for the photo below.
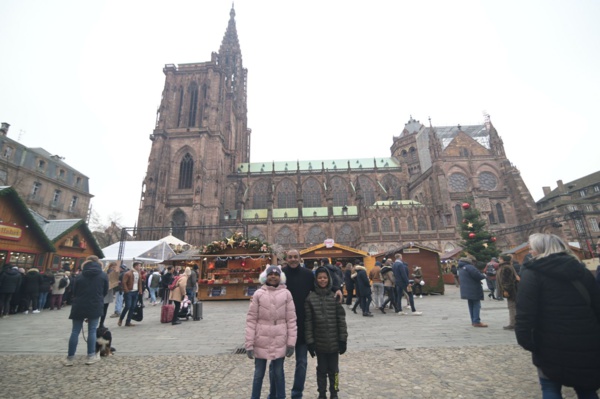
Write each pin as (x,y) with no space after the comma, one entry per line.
(10,281)
(32,284)
(364,287)
(400,270)
(349,283)
(89,289)
(471,289)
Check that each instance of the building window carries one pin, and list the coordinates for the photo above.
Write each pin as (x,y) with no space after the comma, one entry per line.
(392,186)
(374,226)
(3,177)
(368,190)
(339,191)
(78,181)
(61,174)
(259,195)
(413,154)
(579,226)
(186,170)
(285,235)
(421,223)
(193,104)
(411,223)
(315,235)
(7,152)
(464,152)
(286,194)
(458,182)
(594,224)
(571,208)
(41,164)
(582,193)
(35,190)
(597,189)
(311,193)
(458,213)
(397,224)
(56,196)
(180,110)
(487,181)
(500,213)
(73,203)
(386,226)
(345,234)
(589,208)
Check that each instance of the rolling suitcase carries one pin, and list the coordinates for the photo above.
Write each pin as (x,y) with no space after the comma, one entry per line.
(166,313)
(197,311)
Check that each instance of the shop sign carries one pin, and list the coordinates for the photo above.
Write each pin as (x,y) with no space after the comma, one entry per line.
(411,251)
(10,232)
(329,243)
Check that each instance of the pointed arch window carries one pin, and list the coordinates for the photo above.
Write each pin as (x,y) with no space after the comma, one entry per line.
(368,190)
(346,234)
(259,195)
(285,235)
(413,154)
(180,108)
(374,226)
(458,213)
(178,224)
(386,226)
(397,224)
(492,218)
(315,235)
(411,224)
(311,193)
(257,233)
(286,194)
(422,223)
(193,104)
(339,191)
(186,171)
(392,186)
(500,213)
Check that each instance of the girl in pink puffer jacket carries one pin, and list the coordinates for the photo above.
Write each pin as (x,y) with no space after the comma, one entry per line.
(270,329)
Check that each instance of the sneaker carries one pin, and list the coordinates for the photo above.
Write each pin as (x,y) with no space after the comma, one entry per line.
(421,296)
(68,362)
(26,312)
(92,359)
(112,316)
(407,306)
(401,313)
(508,327)
(416,313)
(36,311)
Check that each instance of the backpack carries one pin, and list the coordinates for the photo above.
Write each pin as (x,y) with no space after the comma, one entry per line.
(155,281)
(490,270)
(63,282)
(174,283)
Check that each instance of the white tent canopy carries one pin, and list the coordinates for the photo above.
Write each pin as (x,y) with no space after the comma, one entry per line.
(144,251)
(172,240)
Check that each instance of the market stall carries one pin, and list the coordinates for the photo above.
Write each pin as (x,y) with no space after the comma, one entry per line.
(229,268)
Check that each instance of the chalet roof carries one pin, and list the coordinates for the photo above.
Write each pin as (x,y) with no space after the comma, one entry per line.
(405,246)
(335,245)
(26,214)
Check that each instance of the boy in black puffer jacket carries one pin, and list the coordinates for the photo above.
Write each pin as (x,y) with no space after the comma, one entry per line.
(326,332)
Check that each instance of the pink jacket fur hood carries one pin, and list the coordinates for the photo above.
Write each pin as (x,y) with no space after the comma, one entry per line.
(271,322)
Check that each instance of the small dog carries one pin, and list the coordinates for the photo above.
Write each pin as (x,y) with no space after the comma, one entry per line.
(103,342)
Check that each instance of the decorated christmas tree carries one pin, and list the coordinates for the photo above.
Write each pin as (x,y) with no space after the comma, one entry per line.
(476,240)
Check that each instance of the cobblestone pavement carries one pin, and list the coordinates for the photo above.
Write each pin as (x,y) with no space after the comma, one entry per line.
(436,355)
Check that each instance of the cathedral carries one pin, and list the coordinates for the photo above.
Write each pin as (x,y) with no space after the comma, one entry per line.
(201,184)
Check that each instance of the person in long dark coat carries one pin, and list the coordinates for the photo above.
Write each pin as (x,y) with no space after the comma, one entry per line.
(558,318)
(10,281)
(89,289)
(349,284)
(364,287)
(32,283)
(471,289)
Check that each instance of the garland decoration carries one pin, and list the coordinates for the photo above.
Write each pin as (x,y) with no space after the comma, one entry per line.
(237,240)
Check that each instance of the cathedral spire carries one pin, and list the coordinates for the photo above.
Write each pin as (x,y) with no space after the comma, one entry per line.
(230,45)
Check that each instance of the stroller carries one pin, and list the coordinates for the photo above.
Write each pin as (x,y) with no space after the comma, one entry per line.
(185,312)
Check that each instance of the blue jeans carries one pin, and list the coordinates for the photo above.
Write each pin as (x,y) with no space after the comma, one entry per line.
(552,390)
(300,353)
(91,338)
(130,299)
(153,292)
(119,302)
(474,309)
(42,300)
(276,376)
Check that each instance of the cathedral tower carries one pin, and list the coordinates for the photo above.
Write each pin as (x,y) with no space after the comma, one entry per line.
(200,136)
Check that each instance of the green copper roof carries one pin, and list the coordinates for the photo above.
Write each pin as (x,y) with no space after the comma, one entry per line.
(255,214)
(319,165)
(285,213)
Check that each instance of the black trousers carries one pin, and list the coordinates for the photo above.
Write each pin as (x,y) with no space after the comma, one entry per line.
(328,367)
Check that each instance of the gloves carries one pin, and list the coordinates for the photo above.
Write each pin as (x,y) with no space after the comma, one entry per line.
(250,354)
(343,347)
(289,351)
(311,349)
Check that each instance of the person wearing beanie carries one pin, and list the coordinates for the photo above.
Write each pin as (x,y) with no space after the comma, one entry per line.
(271,331)
(89,288)
(326,332)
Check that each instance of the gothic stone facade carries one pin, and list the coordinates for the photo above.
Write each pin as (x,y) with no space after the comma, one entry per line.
(201,184)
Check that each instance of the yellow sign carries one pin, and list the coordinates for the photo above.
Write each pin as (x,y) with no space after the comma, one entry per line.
(10,232)
(411,251)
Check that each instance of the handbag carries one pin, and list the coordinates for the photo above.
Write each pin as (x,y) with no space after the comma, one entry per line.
(138,312)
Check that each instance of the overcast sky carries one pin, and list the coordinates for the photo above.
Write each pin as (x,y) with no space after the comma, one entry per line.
(326,79)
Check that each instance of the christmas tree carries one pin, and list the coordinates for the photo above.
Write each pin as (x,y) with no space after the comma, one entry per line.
(476,240)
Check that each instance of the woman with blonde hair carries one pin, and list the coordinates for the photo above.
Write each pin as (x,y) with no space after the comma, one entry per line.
(178,294)
(558,318)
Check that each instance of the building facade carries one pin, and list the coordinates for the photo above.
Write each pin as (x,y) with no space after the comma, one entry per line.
(201,184)
(48,185)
